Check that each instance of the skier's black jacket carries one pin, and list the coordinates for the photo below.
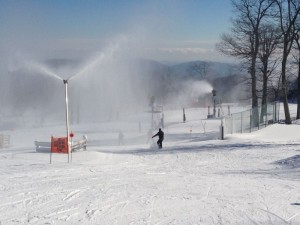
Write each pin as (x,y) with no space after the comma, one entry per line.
(160,134)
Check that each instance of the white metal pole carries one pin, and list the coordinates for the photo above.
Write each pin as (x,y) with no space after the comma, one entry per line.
(71,149)
(67,117)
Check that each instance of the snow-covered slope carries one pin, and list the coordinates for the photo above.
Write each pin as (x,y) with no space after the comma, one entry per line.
(195,179)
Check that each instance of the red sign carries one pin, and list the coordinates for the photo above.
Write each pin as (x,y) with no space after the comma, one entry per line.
(59,145)
(71,135)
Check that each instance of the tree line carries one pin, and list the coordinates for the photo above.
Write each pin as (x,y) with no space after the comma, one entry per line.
(264,37)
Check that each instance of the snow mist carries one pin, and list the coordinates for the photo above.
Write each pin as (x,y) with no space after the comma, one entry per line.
(189,93)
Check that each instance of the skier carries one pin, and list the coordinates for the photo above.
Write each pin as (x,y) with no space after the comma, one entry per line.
(160,135)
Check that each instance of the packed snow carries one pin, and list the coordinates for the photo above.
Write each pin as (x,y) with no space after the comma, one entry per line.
(195,179)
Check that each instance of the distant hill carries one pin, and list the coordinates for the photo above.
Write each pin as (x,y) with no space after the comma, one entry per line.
(116,84)
(212,69)
(190,69)
(170,81)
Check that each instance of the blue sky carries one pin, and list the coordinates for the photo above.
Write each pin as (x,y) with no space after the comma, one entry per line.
(172,30)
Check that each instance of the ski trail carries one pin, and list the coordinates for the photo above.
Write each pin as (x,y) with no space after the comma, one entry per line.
(151,212)
(62,211)
(207,194)
(68,218)
(254,222)
(293,216)
(71,195)
(285,221)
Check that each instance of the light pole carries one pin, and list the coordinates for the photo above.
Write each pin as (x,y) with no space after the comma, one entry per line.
(67,115)
(214,92)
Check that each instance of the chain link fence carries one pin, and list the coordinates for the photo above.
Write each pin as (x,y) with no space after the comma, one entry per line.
(251,120)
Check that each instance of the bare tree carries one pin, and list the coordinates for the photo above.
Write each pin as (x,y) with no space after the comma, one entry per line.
(199,69)
(244,40)
(275,87)
(288,13)
(297,59)
(269,40)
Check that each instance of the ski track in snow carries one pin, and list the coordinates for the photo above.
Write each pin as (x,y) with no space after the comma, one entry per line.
(152,189)
(211,182)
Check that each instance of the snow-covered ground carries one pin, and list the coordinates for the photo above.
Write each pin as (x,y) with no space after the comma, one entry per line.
(195,179)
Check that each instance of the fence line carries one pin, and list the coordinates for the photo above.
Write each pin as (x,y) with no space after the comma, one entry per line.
(252,119)
(4,140)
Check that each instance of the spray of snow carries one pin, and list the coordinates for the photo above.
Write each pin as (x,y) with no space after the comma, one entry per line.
(190,92)
(40,68)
